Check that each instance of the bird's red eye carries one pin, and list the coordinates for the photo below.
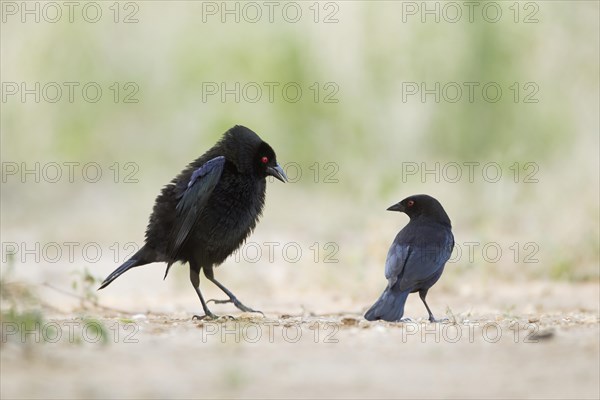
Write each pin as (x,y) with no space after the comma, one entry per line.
(264,160)
(411,203)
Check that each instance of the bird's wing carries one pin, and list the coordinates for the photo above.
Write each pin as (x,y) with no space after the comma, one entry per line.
(414,261)
(426,257)
(192,201)
(396,259)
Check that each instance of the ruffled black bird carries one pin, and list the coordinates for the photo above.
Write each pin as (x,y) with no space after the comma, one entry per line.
(416,258)
(209,209)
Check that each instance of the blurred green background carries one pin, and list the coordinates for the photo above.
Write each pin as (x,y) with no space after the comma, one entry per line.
(362,121)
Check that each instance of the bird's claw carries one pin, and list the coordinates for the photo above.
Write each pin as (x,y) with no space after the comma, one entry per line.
(207,317)
(219,301)
(439,321)
(236,303)
(242,307)
(213,317)
(406,320)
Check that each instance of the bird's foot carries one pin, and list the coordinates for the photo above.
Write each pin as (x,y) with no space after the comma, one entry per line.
(207,317)
(236,303)
(213,317)
(438,321)
(406,320)
(244,308)
(219,301)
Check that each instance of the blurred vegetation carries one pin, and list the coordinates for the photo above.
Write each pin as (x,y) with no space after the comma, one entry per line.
(23,315)
(504,53)
(86,284)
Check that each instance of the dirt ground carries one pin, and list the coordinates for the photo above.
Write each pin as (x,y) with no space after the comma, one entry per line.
(546,345)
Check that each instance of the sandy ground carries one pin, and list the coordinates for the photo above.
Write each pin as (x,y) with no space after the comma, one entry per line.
(545,345)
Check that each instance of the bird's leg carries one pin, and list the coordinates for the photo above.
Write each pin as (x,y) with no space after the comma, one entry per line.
(422,295)
(208,272)
(195,279)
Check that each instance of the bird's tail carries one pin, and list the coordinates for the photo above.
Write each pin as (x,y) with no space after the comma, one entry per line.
(389,306)
(139,258)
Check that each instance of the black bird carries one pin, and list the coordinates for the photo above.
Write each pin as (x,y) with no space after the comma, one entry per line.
(209,209)
(416,258)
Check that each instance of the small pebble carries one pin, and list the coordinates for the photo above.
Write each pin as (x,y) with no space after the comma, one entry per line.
(349,321)
(543,334)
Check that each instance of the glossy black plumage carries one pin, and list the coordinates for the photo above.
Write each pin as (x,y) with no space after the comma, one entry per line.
(208,210)
(416,258)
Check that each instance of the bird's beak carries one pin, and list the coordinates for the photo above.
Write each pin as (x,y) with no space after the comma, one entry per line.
(396,207)
(277,172)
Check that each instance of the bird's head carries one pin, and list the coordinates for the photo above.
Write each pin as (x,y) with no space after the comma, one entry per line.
(251,154)
(266,163)
(422,205)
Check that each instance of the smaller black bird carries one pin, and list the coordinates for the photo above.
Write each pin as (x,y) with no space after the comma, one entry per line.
(416,258)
